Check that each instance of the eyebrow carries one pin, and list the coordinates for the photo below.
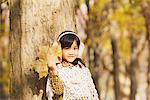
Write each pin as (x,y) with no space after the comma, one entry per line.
(76,47)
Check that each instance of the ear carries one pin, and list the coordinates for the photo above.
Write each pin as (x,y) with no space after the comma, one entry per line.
(81,49)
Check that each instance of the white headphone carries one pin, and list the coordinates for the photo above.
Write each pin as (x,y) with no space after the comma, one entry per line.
(81,47)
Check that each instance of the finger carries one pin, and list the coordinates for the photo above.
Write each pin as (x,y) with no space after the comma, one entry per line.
(40,95)
(51,64)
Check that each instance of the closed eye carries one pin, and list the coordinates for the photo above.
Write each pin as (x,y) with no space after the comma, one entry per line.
(66,47)
(76,48)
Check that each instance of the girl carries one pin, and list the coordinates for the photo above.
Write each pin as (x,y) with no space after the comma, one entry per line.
(70,79)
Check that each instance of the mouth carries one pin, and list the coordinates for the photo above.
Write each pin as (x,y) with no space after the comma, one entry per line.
(71,56)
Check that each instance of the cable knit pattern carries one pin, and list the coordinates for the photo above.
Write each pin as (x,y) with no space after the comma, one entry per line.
(78,84)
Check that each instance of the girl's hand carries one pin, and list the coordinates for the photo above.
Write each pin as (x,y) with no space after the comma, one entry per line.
(47,57)
(55,55)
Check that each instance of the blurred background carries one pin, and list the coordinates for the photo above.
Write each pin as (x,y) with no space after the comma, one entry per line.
(116,34)
(4,55)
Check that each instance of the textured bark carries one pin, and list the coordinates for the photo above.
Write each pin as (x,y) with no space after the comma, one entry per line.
(133,87)
(146,14)
(34,23)
(116,69)
(133,68)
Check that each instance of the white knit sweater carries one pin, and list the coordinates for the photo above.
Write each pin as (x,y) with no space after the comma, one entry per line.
(78,84)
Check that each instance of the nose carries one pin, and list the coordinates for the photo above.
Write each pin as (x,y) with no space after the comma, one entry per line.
(71,51)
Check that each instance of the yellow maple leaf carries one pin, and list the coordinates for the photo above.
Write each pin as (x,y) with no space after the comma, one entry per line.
(47,56)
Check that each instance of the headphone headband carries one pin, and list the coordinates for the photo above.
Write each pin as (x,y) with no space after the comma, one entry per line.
(65,33)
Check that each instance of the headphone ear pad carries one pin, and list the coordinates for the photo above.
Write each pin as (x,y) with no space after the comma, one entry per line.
(81,49)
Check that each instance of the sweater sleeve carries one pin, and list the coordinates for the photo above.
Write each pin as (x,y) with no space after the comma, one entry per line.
(56,83)
(91,85)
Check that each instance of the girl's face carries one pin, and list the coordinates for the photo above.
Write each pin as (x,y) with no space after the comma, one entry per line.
(69,54)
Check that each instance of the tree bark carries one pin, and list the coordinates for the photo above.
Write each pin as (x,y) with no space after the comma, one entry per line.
(34,23)
(146,14)
(116,69)
(133,67)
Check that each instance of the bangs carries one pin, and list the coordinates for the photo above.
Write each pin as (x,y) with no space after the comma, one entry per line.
(68,39)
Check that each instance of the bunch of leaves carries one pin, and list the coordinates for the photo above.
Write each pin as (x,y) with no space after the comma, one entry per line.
(45,57)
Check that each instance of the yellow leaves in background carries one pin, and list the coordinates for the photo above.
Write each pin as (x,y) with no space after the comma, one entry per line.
(104,41)
(137,27)
(129,18)
(121,17)
(99,5)
(124,48)
(45,55)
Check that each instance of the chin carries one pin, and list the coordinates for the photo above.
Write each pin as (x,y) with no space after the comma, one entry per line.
(71,60)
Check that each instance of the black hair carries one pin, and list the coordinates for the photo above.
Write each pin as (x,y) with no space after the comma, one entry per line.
(67,40)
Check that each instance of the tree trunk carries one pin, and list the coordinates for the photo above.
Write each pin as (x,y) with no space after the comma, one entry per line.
(116,69)
(34,23)
(133,87)
(146,14)
(133,67)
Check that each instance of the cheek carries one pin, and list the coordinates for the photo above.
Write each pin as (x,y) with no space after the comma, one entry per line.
(76,52)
